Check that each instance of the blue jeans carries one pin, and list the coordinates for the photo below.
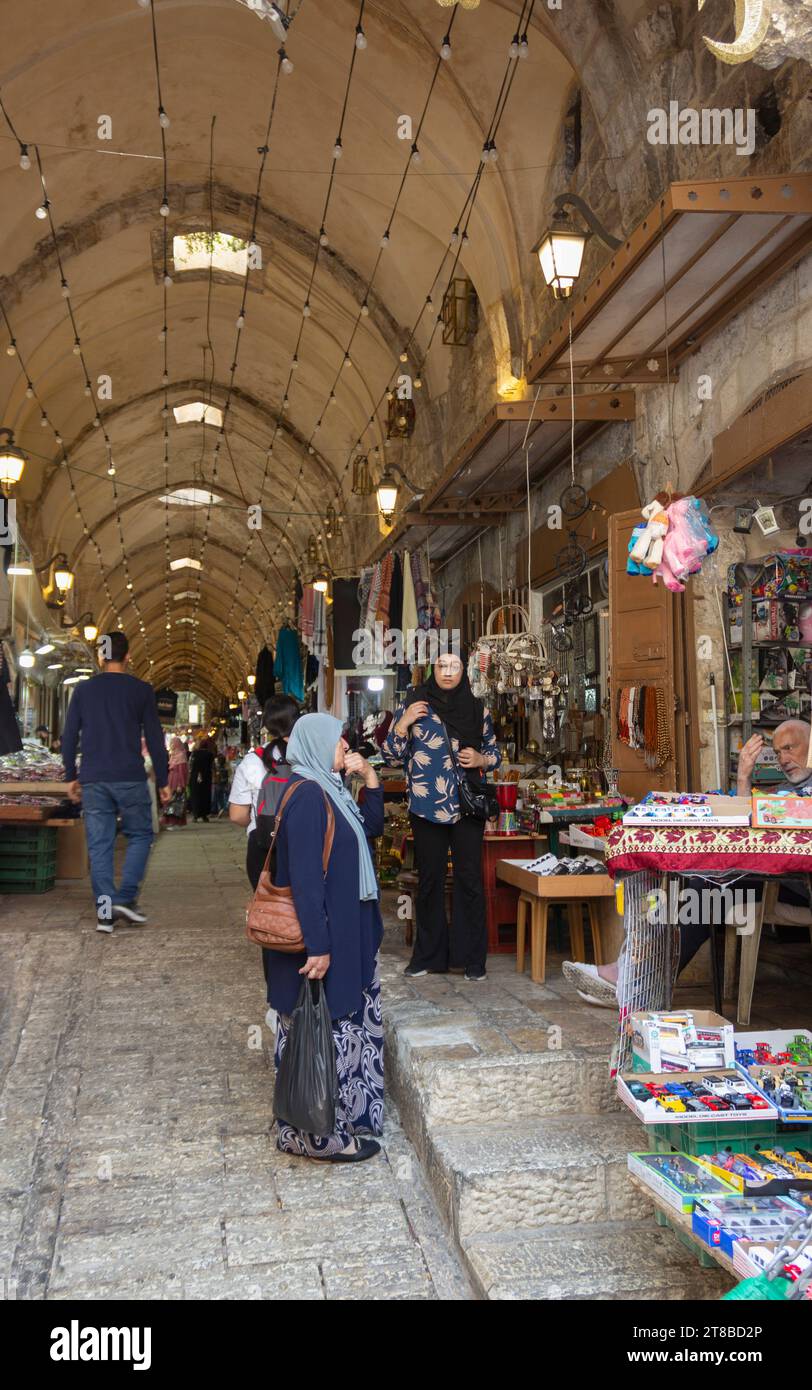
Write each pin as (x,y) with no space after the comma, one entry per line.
(101,803)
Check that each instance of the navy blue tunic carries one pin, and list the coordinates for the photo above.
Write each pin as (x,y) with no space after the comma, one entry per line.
(334,921)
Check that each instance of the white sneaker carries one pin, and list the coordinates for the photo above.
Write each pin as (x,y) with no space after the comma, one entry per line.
(132,915)
(102,924)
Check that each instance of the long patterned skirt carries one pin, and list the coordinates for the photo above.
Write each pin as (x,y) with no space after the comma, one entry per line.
(359,1060)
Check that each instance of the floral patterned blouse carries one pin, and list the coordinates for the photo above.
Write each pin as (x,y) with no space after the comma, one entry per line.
(431,777)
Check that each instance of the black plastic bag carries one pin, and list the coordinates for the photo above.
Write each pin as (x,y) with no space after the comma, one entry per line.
(307,1079)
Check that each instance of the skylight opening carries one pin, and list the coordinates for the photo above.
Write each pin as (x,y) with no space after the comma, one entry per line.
(220,250)
(194,621)
(187,593)
(197,412)
(190,497)
(187,563)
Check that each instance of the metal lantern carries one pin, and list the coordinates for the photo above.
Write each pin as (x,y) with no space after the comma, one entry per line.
(330,520)
(460,312)
(400,419)
(361,476)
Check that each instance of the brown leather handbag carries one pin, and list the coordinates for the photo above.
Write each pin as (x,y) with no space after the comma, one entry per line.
(271,918)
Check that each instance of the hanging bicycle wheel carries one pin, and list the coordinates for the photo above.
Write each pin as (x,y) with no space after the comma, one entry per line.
(571,559)
(574,501)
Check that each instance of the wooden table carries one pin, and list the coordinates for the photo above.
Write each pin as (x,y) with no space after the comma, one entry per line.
(557,889)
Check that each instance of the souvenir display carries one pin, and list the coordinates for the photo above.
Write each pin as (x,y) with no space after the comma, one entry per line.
(502,662)
(766,1172)
(689,808)
(673,542)
(787,1087)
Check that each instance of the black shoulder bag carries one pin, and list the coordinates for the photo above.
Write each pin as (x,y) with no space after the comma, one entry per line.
(478,802)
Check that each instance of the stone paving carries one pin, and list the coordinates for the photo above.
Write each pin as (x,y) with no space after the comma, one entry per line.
(136,1158)
(135,1153)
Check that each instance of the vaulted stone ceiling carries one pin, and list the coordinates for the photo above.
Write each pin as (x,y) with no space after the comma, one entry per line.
(64,67)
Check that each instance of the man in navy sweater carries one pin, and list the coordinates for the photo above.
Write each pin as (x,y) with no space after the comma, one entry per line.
(108,714)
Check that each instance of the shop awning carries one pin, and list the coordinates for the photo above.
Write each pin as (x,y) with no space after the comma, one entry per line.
(712,244)
(486,480)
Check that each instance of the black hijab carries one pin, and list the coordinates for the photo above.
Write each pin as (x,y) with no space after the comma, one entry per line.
(460,710)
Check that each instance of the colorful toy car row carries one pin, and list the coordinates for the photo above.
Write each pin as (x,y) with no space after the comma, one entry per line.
(679,1097)
(798,1051)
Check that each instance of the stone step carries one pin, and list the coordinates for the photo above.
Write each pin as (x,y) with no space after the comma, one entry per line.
(600,1262)
(557,1171)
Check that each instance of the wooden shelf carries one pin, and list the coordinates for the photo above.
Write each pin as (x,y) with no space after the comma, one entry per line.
(682,1224)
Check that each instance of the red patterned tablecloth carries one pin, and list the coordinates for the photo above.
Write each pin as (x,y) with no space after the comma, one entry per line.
(694,848)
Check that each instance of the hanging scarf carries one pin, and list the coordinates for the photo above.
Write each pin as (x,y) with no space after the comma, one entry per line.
(311,749)
(460,710)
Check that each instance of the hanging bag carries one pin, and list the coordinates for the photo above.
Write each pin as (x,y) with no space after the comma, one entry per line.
(478,802)
(307,1077)
(271,917)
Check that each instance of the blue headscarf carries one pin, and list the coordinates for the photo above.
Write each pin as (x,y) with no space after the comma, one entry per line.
(311,749)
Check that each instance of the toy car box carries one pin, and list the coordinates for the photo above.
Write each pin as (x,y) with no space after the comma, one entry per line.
(754,1256)
(721,1221)
(669,1096)
(681,1041)
(768,1171)
(678,1178)
(787,1088)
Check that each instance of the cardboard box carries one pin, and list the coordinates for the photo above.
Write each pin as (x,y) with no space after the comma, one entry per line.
(71,849)
(653,1114)
(660,1043)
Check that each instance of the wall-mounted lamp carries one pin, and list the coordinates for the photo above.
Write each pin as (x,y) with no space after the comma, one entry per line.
(561,249)
(60,580)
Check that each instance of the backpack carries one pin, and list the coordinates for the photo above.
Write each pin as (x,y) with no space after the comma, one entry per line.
(271,792)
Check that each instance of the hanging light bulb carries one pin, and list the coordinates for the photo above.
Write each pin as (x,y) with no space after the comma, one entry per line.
(306,309)
(164,208)
(513,51)
(360,38)
(485,153)
(385,240)
(42,211)
(12,348)
(26,659)
(162,335)
(445,48)
(404,356)
(29,392)
(88,389)
(77,347)
(347,360)
(240,322)
(417,157)
(455,236)
(338,149)
(96,422)
(294,363)
(417,383)
(43,422)
(365,309)
(111,469)
(25,158)
(333,398)
(168,280)
(323,238)
(287,66)
(163,119)
(493,153)
(524,47)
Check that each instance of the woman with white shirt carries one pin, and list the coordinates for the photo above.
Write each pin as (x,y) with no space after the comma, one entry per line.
(279,715)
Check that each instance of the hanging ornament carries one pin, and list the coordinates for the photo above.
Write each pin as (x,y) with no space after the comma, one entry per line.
(361,477)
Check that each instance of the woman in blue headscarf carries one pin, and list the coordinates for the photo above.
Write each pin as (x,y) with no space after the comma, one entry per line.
(341,923)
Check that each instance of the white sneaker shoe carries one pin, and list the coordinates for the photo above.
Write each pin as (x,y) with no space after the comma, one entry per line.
(105,925)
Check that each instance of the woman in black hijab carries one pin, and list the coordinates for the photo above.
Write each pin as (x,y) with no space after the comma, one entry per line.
(441,734)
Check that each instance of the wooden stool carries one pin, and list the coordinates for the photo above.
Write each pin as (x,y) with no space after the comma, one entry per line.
(538,908)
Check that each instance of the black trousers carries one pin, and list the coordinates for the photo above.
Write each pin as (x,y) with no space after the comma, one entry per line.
(467,944)
(254,862)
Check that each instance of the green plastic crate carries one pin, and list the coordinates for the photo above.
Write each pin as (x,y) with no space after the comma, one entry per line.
(710,1137)
(22,877)
(27,839)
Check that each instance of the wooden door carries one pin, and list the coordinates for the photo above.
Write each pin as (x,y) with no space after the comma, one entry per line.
(641,652)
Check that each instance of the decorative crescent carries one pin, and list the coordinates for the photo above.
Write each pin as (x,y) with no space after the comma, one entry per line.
(752,23)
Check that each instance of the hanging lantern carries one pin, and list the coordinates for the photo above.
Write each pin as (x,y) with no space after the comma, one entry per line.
(361,477)
(400,419)
(313,551)
(460,312)
(330,522)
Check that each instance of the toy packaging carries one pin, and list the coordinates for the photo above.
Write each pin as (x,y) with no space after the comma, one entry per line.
(721,1221)
(786,1086)
(681,1041)
(754,1256)
(678,1178)
(773,1172)
(686,1097)
(788,812)
(689,808)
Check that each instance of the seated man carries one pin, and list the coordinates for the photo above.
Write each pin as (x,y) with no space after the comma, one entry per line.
(597,984)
